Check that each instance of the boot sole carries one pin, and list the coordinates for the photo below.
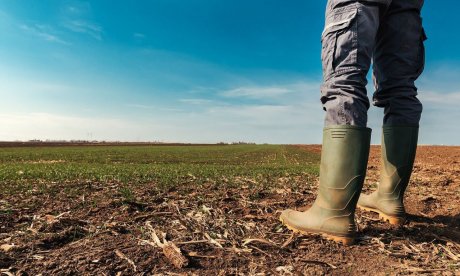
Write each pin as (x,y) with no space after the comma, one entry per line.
(338,239)
(384,217)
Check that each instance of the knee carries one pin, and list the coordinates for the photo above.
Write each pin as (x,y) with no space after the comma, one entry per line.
(344,110)
(403,111)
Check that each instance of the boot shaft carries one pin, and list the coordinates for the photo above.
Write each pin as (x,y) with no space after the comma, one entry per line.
(399,146)
(344,159)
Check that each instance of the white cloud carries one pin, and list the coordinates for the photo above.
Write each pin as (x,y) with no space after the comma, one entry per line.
(44,32)
(139,35)
(262,92)
(277,116)
(142,106)
(76,17)
(26,85)
(440,98)
(261,112)
(292,121)
(77,8)
(25,126)
(196,101)
(84,27)
(256,92)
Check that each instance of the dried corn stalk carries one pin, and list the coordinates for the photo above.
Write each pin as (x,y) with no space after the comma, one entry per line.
(170,250)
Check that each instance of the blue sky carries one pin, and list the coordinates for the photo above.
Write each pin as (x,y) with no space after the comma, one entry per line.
(191,71)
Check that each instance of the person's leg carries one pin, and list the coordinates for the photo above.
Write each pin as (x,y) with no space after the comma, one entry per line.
(348,43)
(399,59)
(398,62)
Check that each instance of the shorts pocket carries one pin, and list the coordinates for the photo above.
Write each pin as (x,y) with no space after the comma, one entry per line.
(339,41)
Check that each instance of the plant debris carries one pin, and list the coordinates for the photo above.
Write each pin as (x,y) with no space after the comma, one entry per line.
(225,226)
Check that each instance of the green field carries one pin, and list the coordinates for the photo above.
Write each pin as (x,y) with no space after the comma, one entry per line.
(92,210)
(26,168)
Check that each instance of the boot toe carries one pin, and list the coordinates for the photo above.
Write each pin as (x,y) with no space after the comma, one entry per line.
(291,218)
(284,217)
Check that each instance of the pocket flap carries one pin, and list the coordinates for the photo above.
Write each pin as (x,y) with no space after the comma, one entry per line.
(424,37)
(339,21)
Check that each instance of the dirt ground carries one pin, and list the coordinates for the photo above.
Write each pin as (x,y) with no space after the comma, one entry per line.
(223,230)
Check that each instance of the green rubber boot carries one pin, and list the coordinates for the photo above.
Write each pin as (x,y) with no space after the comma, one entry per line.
(399,145)
(343,168)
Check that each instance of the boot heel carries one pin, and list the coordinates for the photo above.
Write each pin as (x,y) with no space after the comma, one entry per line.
(343,240)
(392,220)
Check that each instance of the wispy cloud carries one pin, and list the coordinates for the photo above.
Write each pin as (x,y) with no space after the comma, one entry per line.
(196,101)
(142,106)
(272,98)
(154,107)
(25,126)
(277,106)
(44,32)
(257,115)
(270,92)
(85,27)
(77,18)
(432,97)
(33,87)
(273,113)
(77,8)
(256,92)
(139,36)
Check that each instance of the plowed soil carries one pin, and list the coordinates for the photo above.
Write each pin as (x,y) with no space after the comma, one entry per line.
(228,230)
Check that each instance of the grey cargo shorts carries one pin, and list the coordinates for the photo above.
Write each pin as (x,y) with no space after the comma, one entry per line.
(387,32)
